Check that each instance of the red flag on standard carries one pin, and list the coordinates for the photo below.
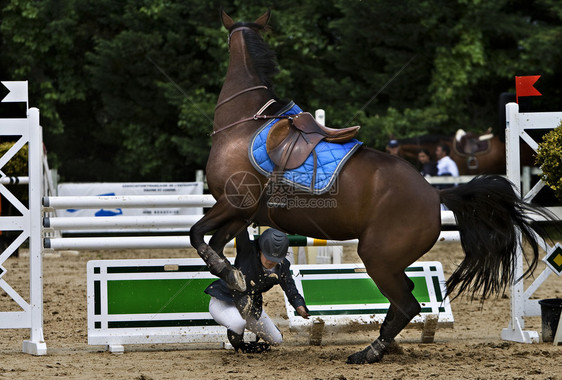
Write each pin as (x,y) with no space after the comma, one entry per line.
(524,86)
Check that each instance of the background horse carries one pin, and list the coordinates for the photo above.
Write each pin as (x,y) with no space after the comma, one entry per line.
(473,153)
(379,199)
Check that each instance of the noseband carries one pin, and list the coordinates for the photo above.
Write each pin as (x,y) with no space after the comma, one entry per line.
(237,30)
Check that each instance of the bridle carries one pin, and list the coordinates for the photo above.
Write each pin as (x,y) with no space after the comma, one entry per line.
(240,28)
(258,115)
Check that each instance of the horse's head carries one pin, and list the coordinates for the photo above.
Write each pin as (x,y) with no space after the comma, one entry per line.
(248,85)
(478,153)
(260,23)
(252,62)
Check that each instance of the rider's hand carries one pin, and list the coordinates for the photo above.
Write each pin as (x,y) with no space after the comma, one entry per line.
(301,310)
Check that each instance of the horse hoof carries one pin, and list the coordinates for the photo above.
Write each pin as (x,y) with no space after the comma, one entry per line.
(356,358)
(368,355)
(236,280)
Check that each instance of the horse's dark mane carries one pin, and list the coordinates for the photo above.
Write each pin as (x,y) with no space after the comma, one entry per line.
(264,59)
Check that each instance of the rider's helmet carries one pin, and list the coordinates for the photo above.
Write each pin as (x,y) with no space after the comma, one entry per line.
(274,245)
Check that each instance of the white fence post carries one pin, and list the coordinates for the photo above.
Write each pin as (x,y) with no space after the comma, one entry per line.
(28,131)
(35,345)
(521,303)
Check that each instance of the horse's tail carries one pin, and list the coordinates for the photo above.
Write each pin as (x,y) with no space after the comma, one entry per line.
(488,213)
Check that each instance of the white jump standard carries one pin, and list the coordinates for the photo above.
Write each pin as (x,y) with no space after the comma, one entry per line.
(522,305)
(29,132)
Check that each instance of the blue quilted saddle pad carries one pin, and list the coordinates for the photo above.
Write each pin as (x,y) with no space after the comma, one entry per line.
(330,159)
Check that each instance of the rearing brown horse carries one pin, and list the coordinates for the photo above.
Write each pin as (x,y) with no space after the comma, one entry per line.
(377,198)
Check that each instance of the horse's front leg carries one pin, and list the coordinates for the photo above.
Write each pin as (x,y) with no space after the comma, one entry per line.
(220,217)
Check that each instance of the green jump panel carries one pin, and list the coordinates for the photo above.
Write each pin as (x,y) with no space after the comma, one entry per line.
(353,291)
(157,296)
(150,301)
(345,295)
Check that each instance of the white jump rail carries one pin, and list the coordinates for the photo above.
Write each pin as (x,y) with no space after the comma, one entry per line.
(152,242)
(14,180)
(178,242)
(130,201)
(105,222)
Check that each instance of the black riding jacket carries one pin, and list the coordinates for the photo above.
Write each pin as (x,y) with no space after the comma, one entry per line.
(258,279)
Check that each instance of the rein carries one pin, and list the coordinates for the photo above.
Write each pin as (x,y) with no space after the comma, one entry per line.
(240,93)
(257,116)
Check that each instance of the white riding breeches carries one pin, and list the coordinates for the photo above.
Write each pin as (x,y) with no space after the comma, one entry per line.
(227,315)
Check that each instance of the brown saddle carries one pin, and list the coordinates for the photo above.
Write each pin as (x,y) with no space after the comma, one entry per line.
(290,141)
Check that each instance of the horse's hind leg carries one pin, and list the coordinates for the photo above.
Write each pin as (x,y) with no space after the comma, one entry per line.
(404,306)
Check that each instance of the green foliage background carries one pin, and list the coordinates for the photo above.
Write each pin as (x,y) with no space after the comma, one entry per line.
(549,158)
(17,166)
(127,88)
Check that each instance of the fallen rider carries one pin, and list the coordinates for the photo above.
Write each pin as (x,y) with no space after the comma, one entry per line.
(263,262)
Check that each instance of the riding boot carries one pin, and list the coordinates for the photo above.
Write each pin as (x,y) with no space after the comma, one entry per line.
(221,267)
(236,340)
(256,347)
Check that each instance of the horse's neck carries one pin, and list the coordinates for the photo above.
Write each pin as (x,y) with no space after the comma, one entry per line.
(235,103)
(240,74)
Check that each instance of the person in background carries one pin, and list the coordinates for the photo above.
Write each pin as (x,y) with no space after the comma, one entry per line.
(264,265)
(393,147)
(428,167)
(445,164)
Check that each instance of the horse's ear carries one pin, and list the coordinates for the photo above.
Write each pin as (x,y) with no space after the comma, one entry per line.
(264,19)
(226,20)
